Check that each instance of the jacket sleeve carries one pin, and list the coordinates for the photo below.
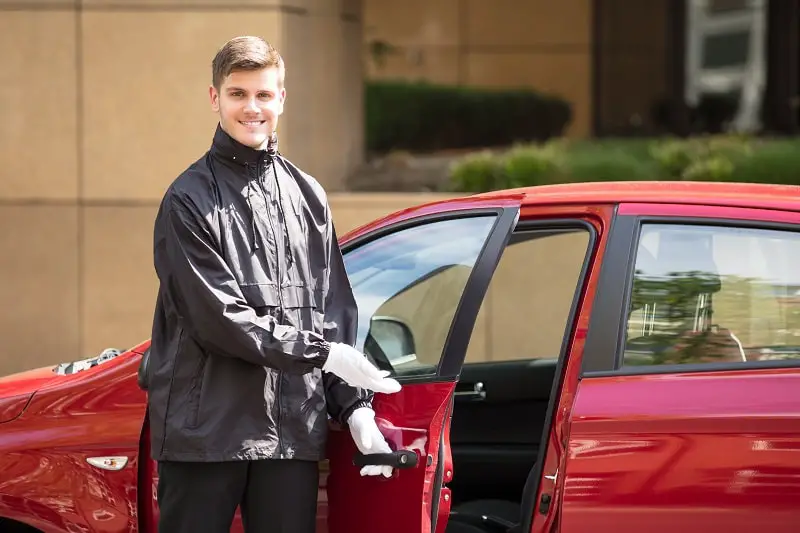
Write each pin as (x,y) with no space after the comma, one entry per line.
(341,325)
(210,303)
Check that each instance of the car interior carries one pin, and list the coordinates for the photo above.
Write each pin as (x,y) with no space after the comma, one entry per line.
(503,394)
(495,439)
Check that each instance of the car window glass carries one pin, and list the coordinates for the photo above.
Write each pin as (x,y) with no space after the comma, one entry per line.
(408,285)
(525,312)
(713,294)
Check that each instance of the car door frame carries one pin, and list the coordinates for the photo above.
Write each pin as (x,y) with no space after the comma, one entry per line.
(506,210)
(539,505)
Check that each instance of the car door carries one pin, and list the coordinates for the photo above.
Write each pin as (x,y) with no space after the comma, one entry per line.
(419,284)
(686,415)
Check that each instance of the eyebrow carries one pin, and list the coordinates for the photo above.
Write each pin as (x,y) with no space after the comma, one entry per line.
(231,89)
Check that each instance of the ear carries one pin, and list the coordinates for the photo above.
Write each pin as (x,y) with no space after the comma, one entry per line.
(213,96)
(282,100)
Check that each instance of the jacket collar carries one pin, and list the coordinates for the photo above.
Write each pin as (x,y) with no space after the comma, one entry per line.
(227,147)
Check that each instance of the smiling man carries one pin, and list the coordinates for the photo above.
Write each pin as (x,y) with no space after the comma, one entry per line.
(254,323)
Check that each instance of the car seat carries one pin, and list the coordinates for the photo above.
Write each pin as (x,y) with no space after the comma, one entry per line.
(492,516)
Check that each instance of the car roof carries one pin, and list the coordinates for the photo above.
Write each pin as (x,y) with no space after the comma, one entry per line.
(755,195)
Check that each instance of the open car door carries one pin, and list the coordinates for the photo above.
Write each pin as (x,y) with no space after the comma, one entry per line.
(419,284)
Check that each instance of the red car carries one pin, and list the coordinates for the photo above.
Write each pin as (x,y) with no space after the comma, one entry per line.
(579,358)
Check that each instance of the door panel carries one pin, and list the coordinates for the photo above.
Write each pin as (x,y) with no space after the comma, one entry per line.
(412,419)
(685,452)
(495,438)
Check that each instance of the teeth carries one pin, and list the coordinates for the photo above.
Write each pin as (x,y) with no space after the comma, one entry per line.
(252,123)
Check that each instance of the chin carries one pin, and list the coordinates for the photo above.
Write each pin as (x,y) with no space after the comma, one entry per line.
(253,140)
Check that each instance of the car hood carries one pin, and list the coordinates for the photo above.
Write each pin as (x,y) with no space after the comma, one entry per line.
(17,389)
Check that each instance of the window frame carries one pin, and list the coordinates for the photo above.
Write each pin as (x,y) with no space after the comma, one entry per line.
(605,341)
(458,335)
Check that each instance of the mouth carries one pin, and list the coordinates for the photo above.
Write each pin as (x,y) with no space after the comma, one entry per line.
(252,123)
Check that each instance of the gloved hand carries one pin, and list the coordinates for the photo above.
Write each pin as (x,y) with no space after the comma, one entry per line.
(369,439)
(356,370)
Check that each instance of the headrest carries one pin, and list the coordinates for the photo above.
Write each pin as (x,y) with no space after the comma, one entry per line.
(684,257)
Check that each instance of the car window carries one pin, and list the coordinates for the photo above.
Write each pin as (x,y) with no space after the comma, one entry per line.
(408,285)
(526,309)
(713,294)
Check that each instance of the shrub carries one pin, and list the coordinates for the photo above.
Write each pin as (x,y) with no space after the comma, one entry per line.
(477,172)
(531,165)
(609,162)
(702,158)
(776,161)
(709,158)
(425,117)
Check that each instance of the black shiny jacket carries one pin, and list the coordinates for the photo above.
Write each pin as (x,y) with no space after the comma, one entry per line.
(252,289)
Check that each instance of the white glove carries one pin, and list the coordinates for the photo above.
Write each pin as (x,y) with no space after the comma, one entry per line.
(369,439)
(356,370)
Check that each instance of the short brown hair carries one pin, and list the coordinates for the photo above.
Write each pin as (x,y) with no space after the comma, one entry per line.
(245,53)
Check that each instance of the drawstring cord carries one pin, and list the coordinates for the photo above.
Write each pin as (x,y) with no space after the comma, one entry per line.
(286,239)
(272,151)
(254,238)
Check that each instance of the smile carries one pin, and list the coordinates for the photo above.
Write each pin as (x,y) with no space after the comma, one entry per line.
(252,123)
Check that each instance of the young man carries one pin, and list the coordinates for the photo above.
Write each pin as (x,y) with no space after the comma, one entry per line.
(254,323)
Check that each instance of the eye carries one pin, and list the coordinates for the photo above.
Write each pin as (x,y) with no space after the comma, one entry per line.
(265,96)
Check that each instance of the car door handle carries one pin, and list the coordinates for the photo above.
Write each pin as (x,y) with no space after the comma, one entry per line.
(399,459)
(478,393)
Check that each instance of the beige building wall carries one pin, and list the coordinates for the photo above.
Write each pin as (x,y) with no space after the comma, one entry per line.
(116,105)
(541,44)
(104,102)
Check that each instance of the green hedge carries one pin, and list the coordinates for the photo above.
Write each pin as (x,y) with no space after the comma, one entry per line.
(710,158)
(424,117)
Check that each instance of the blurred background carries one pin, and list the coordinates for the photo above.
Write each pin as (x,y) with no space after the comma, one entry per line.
(390,104)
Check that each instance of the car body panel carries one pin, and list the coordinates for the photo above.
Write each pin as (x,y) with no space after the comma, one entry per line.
(17,390)
(695,452)
(708,212)
(689,193)
(47,480)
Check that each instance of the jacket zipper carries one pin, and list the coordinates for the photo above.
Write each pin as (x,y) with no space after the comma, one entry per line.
(279,379)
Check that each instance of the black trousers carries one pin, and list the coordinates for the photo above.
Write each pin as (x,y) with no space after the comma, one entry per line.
(276,496)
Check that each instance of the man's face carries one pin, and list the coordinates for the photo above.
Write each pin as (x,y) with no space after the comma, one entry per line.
(249,103)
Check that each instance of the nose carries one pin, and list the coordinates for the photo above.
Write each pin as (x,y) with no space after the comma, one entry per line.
(251,105)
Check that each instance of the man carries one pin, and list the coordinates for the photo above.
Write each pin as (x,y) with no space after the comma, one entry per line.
(254,322)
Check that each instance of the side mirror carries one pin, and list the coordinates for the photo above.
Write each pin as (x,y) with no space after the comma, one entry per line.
(392,340)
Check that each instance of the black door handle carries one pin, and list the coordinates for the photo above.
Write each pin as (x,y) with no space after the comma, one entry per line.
(400,459)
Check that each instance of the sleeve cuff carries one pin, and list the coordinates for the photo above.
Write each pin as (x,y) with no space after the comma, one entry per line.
(322,353)
(356,405)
